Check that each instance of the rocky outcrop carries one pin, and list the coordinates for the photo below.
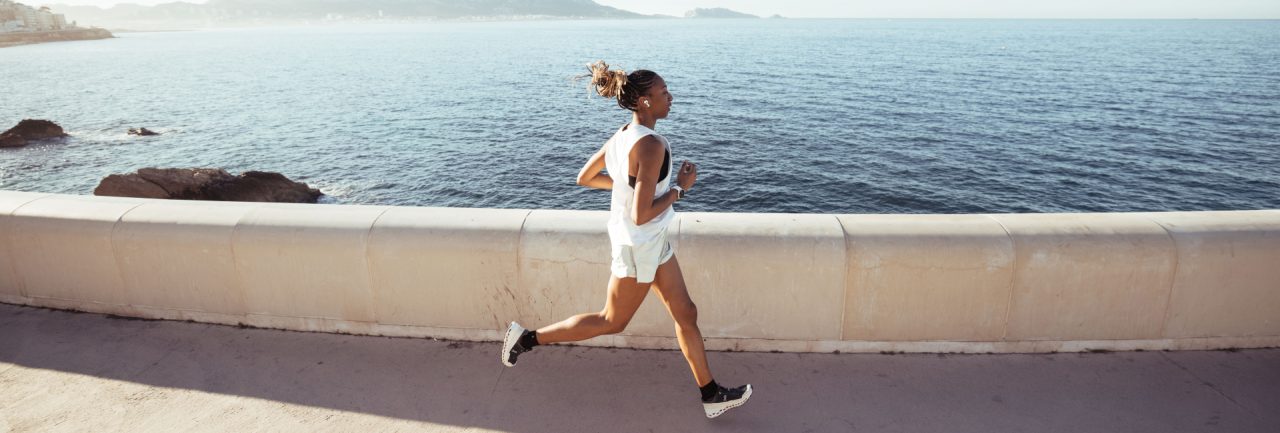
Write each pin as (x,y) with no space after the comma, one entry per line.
(29,130)
(266,186)
(207,184)
(142,131)
(8,39)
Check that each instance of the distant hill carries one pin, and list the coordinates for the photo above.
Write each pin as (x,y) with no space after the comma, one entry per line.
(218,13)
(716,13)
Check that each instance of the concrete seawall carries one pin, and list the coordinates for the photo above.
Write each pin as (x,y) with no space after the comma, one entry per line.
(762,282)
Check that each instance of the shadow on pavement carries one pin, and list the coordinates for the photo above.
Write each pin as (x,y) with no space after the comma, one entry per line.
(560,388)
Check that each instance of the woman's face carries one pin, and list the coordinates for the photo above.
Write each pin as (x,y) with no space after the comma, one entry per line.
(659,99)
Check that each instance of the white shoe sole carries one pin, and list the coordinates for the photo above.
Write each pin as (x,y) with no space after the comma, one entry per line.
(716,409)
(513,335)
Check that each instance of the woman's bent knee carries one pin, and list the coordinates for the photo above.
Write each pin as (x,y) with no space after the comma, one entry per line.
(615,327)
(686,314)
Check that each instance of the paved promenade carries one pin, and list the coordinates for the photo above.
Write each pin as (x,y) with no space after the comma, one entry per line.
(74,372)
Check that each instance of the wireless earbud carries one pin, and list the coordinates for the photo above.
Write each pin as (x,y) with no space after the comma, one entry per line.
(646,103)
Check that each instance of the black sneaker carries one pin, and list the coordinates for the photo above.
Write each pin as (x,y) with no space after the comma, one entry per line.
(511,347)
(725,399)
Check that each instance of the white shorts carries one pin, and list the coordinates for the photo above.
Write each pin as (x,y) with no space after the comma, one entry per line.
(641,261)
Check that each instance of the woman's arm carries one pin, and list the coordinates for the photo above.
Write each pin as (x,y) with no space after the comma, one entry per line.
(591,176)
(649,154)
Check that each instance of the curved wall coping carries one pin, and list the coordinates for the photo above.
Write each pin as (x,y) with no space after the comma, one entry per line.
(763,282)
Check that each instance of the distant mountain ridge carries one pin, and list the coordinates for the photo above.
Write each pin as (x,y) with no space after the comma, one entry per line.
(262,12)
(716,13)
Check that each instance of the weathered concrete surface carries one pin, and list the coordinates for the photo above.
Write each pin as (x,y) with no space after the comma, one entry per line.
(62,371)
(1009,283)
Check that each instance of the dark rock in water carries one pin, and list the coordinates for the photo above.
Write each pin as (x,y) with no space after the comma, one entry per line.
(12,141)
(175,183)
(29,130)
(130,185)
(142,131)
(207,184)
(266,186)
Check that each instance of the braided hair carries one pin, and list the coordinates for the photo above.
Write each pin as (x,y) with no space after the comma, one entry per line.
(617,84)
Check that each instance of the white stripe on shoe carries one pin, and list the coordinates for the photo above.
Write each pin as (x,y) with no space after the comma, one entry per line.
(513,336)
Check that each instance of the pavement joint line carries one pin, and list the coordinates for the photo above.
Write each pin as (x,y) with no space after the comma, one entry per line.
(154,363)
(495,384)
(489,402)
(1211,386)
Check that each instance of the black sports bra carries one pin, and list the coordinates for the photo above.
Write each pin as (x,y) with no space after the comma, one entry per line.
(666,170)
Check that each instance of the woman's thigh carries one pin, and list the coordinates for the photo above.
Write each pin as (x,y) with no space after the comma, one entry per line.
(625,297)
(669,283)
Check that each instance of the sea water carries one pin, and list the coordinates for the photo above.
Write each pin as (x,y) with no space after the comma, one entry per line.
(781,115)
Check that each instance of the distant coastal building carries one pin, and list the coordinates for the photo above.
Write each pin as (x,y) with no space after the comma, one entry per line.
(17,17)
(9,20)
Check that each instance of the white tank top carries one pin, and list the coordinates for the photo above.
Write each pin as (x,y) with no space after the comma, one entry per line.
(622,229)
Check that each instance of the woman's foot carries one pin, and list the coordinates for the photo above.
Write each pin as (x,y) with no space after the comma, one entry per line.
(511,345)
(725,399)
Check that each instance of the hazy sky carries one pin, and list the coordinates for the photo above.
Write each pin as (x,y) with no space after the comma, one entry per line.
(1269,9)
(971,8)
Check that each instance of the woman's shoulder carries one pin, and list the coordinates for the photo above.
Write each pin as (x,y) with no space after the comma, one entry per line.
(641,132)
(649,146)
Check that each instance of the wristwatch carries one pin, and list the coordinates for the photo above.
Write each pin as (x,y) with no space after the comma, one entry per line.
(679,192)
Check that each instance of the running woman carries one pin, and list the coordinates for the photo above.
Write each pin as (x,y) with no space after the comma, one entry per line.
(639,213)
